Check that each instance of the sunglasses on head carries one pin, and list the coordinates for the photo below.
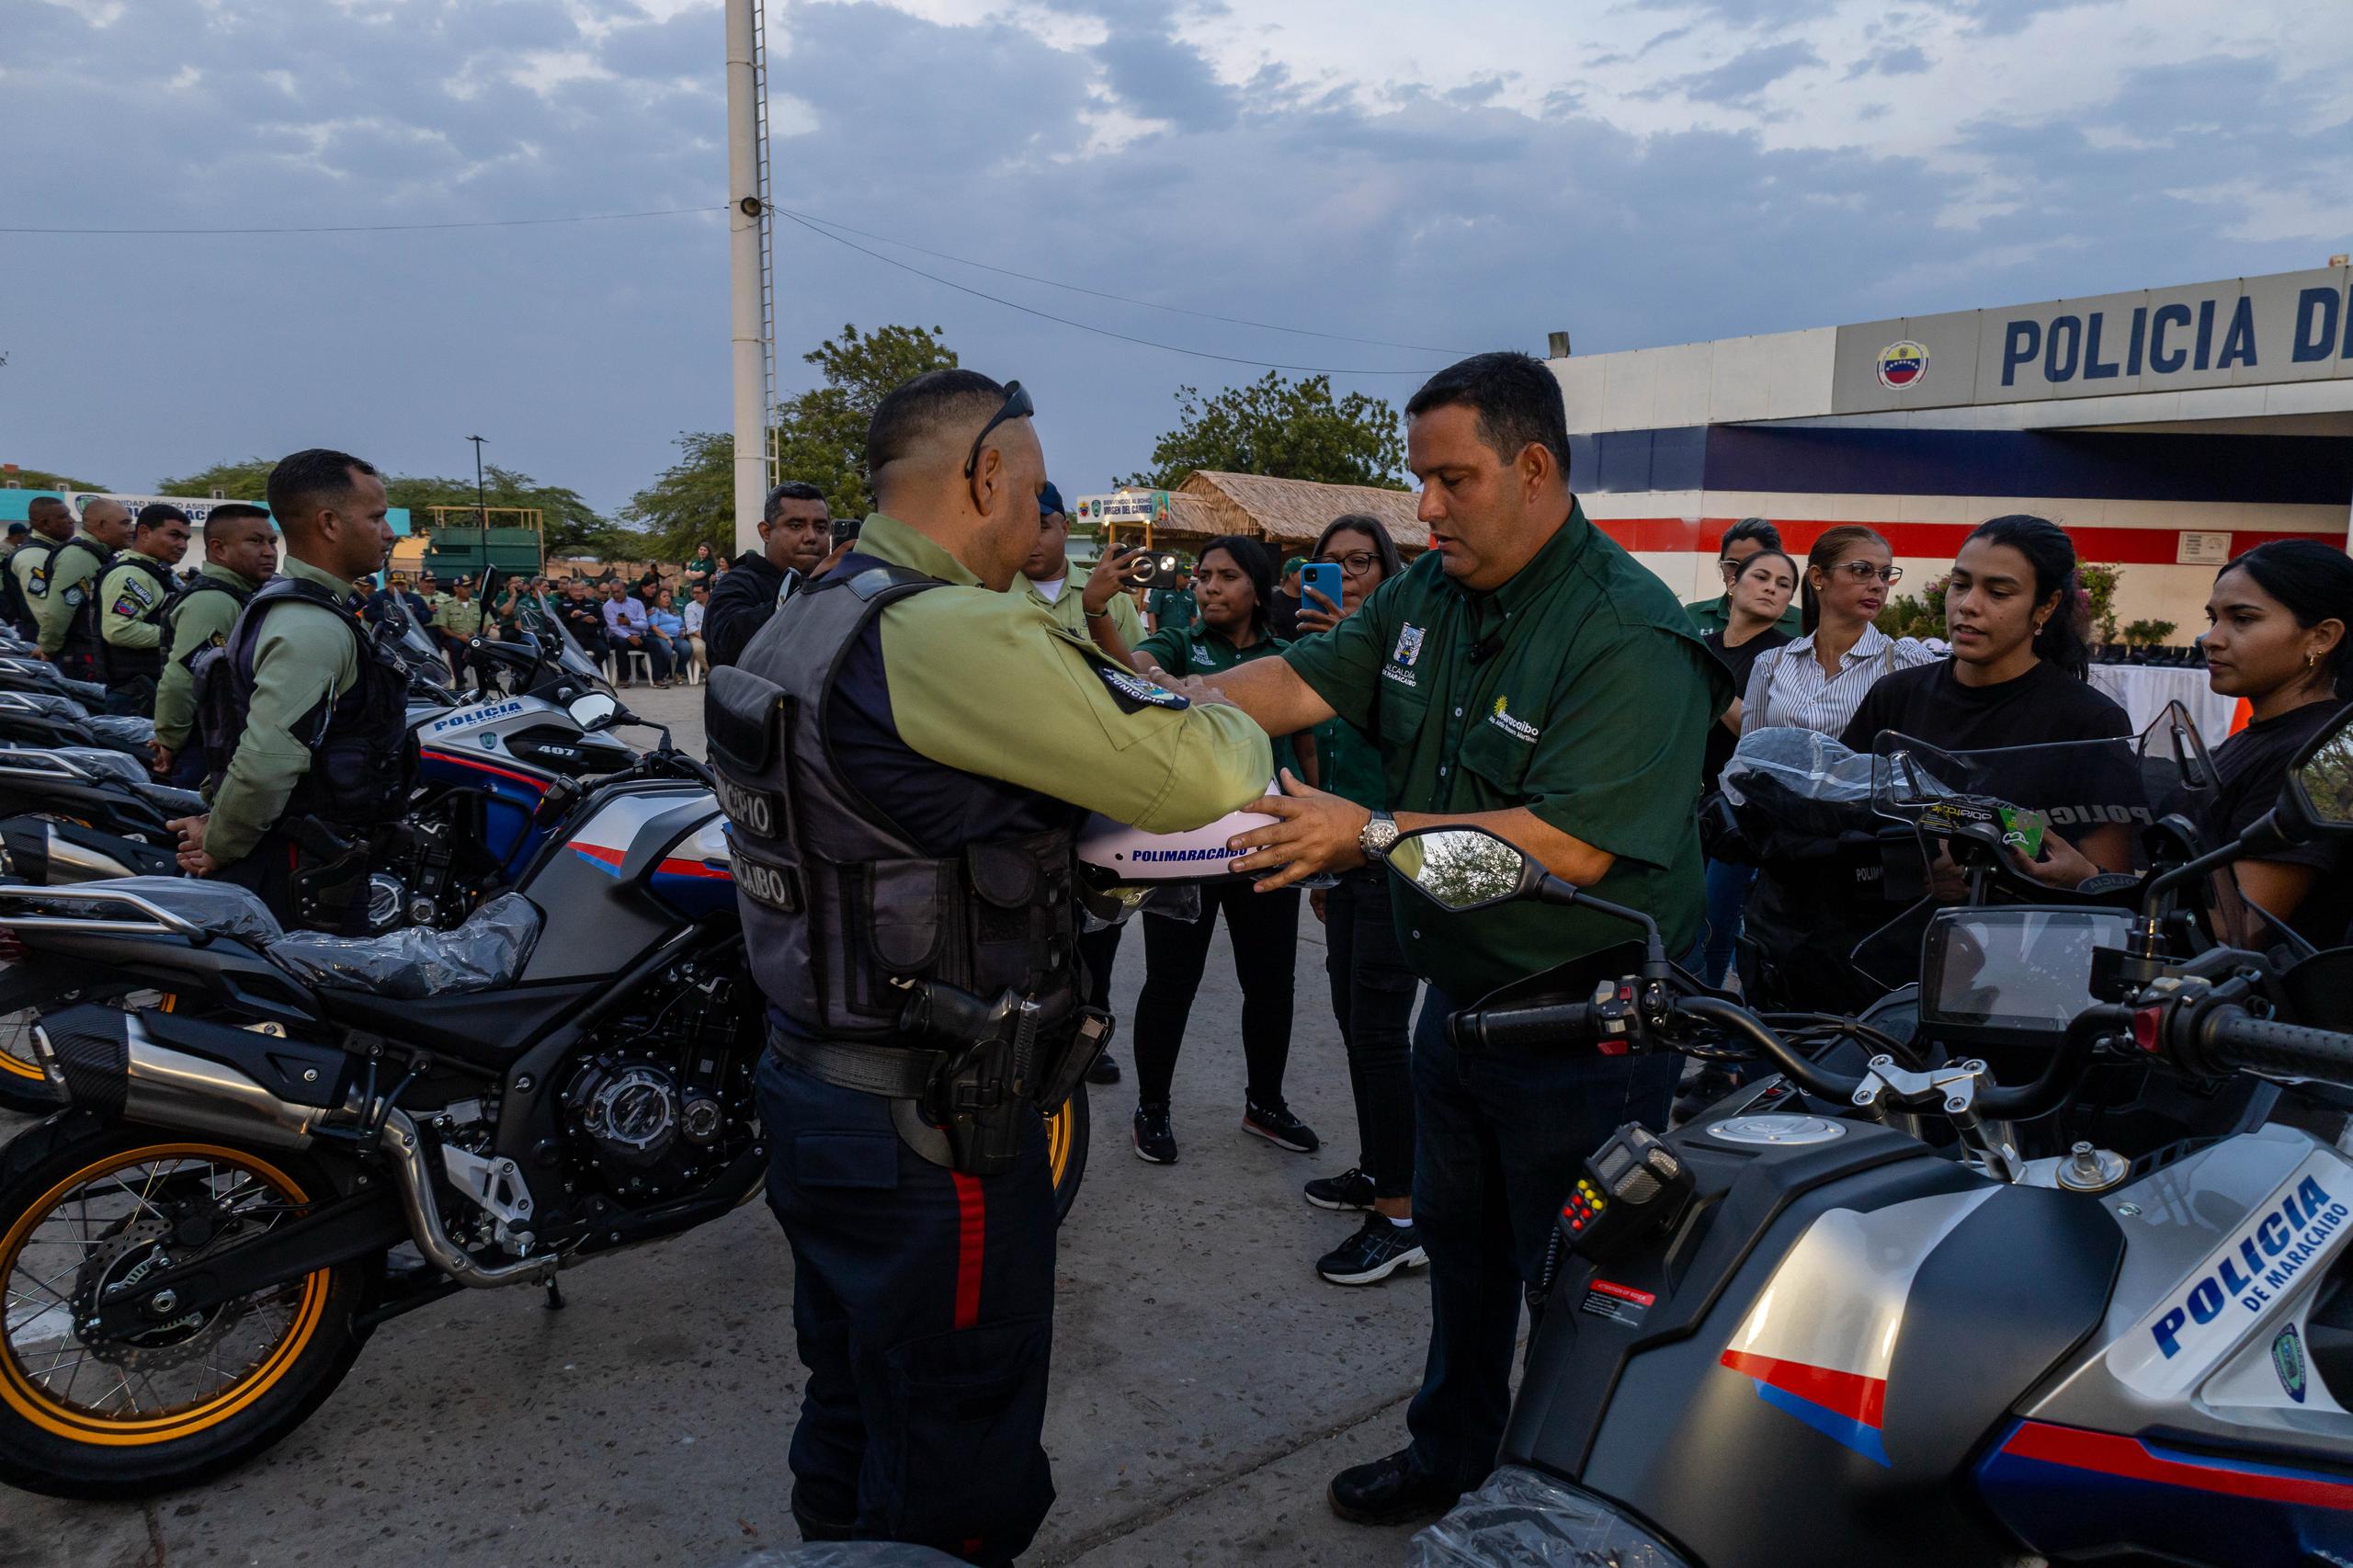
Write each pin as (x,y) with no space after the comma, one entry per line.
(1016,406)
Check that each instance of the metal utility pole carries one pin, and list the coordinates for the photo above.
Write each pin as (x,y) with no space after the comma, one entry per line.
(481,516)
(746,230)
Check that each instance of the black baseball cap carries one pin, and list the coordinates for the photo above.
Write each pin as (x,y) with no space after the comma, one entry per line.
(1050,501)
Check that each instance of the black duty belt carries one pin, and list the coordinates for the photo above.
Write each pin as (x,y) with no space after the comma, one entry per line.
(899,1072)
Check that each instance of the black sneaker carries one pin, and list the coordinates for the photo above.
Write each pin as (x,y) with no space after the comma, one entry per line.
(1377,1251)
(1389,1491)
(1105,1071)
(1279,1126)
(1156,1140)
(1351,1189)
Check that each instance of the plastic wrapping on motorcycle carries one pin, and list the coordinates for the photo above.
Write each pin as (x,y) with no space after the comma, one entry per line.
(46,705)
(128,728)
(1523,1518)
(222,908)
(120,767)
(1797,765)
(485,953)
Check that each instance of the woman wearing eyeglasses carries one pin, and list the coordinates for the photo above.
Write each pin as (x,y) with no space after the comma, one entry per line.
(1372,986)
(1818,681)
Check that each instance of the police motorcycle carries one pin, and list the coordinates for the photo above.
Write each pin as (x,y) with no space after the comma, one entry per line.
(1790,1332)
(195,1248)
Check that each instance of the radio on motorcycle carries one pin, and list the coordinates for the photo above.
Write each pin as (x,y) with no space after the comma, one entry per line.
(1632,1185)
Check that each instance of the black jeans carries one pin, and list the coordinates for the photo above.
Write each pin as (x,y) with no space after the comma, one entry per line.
(1500,1138)
(1263,930)
(1373,997)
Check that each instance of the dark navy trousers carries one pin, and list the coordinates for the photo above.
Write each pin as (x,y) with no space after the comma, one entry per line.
(1500,1137)
(923,1302)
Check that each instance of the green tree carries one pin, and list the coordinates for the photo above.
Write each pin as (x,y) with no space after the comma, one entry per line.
(691,502)
(1284,429)
(246,480)
(41,478)
(820,440)
(569,522)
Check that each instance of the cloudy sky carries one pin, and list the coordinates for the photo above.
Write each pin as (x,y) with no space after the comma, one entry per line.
(1453,178)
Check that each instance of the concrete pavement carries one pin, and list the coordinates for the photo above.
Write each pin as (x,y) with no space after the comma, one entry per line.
(1206,1383)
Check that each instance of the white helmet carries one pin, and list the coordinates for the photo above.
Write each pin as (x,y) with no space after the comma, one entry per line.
(1114,854)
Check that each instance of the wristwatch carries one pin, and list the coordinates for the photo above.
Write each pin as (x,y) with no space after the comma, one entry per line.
(1378,836)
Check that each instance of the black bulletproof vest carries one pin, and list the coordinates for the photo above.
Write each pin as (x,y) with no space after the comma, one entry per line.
(170,615)
(78,654)
(19,604)
(837,900)
(117,665)
(362,760)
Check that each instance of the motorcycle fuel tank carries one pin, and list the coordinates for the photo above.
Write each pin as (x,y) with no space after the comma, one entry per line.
(1802,1370)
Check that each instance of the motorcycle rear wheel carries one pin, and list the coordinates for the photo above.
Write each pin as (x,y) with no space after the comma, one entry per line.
(1066,1136)
(83,1204)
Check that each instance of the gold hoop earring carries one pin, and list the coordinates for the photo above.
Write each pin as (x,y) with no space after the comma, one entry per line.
(2311,659)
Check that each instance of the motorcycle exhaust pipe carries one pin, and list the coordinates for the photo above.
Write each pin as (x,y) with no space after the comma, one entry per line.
(113,1065)
(69,862)
(398,1138)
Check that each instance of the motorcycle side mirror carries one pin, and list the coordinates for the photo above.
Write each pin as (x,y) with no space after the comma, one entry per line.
(2316,801)
(1461,868)
(594,711)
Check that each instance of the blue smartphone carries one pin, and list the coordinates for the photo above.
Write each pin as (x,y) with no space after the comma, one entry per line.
(1323,577)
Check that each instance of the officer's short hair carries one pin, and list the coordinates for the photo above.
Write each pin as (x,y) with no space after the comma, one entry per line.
(309,480)
(155,514)
(39,505)
(1764,533)
(219,521)
(791,489)
(912,412)
(1517,402)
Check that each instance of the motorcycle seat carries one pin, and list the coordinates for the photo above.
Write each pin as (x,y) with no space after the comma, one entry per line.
(173,803)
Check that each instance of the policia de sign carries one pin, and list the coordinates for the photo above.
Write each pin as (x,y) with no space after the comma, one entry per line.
(905,759)
(121,624)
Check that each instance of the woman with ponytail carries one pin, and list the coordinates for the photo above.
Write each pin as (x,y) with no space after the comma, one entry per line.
(2018,678)
(2277,638)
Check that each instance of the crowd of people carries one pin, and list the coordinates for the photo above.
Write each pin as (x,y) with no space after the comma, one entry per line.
(1523,674)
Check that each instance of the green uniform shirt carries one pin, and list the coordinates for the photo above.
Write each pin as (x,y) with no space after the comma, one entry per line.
(1715,615)
(1591,710)
(1173,608)
(301,658)
(1068,610)
(989,684)
(70,572)
(1200,650)
(1349,765)
(457,618)
(128,595)
(22,560)
(198,621)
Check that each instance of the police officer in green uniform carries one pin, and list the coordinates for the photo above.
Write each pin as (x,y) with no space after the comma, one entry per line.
(457,621)
(125,616)
(1528,677)
(240,553)
(314,743)
(905,759)
(52,525)
(71,578)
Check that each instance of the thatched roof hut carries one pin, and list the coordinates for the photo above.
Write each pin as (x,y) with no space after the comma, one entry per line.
(1286,513)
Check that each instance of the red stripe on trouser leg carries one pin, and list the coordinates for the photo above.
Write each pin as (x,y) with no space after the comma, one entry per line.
(971,1244)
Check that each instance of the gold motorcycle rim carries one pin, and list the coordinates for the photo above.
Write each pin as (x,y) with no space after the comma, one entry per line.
(136,1397)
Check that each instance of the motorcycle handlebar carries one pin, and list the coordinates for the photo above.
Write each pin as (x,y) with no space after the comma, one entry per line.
(1569,1022)
(2232,1038)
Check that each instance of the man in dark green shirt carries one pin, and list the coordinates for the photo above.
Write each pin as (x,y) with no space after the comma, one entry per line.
(1748,537)
(1527,676)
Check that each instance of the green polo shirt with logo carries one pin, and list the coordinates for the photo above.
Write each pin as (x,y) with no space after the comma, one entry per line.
(1203,650)
(1715,615)
(1589,706)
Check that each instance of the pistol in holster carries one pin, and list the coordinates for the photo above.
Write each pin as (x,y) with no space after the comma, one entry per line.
(1004,1057)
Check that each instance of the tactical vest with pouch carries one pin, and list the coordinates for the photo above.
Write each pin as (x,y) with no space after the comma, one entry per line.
(117,664)
(843,911)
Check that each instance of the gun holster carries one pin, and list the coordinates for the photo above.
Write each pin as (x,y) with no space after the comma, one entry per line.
(1006,1056)
(329,883)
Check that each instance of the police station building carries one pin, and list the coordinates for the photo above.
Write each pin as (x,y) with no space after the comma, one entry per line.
(2168,430)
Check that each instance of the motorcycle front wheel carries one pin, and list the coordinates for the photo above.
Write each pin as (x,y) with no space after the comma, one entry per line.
(85,1207)
(1066,1130)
